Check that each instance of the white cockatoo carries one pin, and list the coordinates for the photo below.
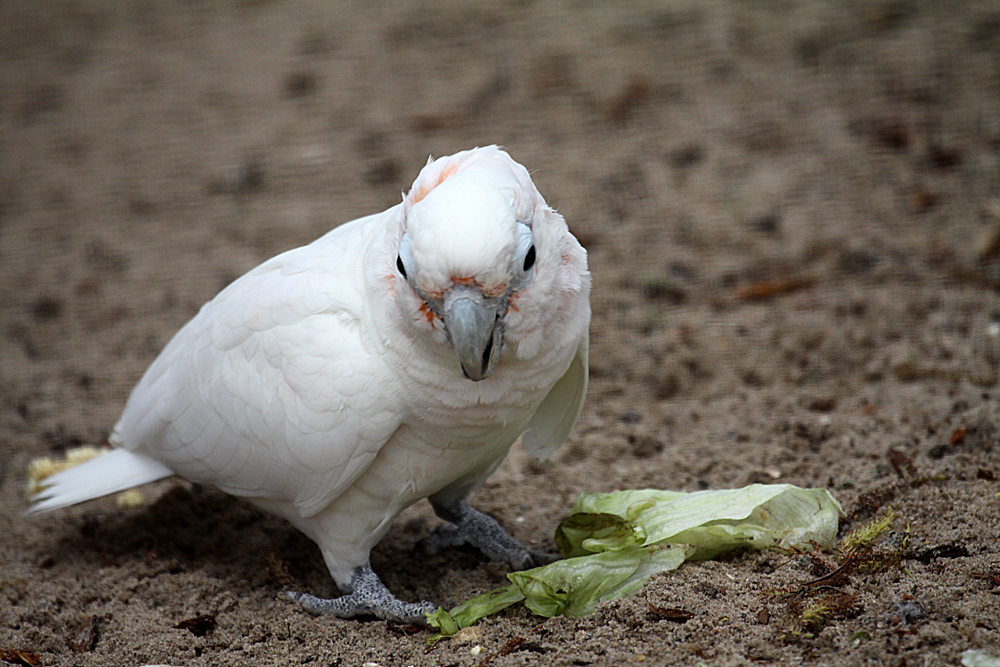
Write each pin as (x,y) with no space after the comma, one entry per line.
(396,358)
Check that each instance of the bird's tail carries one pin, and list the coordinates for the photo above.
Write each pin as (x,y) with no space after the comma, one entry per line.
(115,471)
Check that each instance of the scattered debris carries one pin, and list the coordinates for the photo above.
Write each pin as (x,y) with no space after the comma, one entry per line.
(814,604)
(672,614)
(620,108)
(19,657)
(44,467)
(41,468)
(992,577)
(83,637)
(199,626)
(910,371)
(513,644)
(823,404)
(820,610)
(405,629)
(863,537)
(901,463)
(979,658)
(941,551)
(468,635)
(129,499)
(988,247)
(870,502)
(909,611)
(768,290)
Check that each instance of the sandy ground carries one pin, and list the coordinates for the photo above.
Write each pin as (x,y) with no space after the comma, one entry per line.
(788,208)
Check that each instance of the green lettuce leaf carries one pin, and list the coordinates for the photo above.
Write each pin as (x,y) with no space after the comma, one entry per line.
(574,586)
(588,533)
(614,542)
(757,516)
(470,611)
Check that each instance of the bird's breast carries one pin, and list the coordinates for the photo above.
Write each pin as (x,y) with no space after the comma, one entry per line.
(421,460)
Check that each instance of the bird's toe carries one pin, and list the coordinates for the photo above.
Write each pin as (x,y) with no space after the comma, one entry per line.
(524,558)
(353,605)
(368,596)
(445,535)
(539,558)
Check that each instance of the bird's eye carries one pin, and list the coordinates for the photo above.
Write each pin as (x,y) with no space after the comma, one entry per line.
(399,265)
(524,258)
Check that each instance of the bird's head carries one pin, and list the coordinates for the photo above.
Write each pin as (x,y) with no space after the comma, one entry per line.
(471,251)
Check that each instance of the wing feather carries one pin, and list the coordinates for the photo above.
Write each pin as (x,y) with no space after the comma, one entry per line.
(266,393)
(554,419)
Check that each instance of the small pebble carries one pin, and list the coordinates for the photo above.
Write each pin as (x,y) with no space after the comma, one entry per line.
(910,611)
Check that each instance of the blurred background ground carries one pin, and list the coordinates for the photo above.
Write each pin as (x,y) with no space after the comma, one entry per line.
(791,210)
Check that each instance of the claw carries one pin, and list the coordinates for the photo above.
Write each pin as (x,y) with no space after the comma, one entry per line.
(368,597)
(468,526)
(540,558)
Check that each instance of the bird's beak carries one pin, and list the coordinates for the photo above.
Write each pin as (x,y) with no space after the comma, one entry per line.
(471,321)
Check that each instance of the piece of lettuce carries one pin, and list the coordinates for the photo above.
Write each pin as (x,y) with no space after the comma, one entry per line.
(757,516)
(614,542)
(470,611)
(574,586)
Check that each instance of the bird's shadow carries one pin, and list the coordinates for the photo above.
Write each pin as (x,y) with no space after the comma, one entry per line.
(191,528)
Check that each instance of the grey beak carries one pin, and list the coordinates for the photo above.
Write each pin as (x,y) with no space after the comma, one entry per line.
(471,322)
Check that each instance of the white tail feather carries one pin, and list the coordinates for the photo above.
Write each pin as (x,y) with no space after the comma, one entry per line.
(115,471)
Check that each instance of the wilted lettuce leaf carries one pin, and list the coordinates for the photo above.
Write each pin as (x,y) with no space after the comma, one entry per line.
(471,611)
(758,516)
(583,534)
(614,542)
(573,587)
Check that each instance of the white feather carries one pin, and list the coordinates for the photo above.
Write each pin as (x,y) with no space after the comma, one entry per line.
(112,472)
(555,417)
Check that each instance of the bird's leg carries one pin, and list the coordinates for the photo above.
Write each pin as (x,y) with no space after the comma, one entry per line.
(366,595)
(468,526)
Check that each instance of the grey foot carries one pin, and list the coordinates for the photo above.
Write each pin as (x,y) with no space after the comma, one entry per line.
(367,596)
(468,526)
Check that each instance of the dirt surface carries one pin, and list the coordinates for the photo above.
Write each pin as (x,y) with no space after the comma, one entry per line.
(791,213)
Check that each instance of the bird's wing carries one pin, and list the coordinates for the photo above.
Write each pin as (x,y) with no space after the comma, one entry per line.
(552,422)
(271,391)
